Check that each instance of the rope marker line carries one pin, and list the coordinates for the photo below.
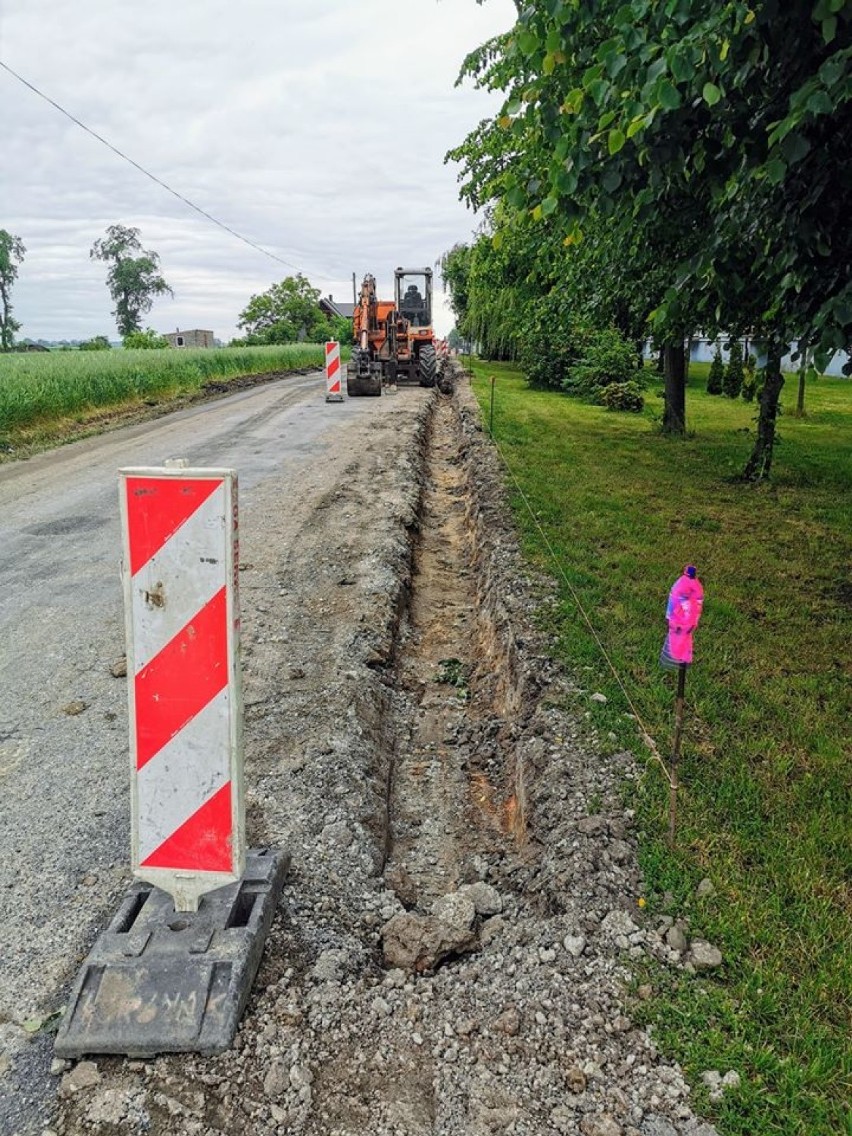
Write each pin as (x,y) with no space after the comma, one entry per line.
(643,729)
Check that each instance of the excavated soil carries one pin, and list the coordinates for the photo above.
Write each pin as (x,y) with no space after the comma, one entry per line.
(407,739)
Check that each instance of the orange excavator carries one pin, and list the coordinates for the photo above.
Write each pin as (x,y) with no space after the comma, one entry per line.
(393,340)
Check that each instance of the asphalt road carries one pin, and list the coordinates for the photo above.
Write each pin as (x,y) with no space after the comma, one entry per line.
(64,775)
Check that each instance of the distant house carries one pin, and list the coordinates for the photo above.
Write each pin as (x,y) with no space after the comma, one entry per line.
(332,307)
(194,338)
(702,350)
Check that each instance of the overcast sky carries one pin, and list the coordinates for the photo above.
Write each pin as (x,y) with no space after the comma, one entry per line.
(317,130)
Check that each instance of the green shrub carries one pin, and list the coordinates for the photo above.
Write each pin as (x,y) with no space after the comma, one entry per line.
(339,329)
(146,340)
(749,379)
(623,396)
(96,343)
(549,341)
(734,374)
(717,374)
(560,350)
(606,358)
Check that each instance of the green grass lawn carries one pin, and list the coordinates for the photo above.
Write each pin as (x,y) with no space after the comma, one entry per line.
(41,395)
(765,807)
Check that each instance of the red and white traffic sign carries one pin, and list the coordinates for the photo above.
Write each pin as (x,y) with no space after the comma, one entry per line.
(333,393)
(180,538)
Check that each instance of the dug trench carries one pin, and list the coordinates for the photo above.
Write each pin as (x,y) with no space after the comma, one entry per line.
(453,951)
(451,794)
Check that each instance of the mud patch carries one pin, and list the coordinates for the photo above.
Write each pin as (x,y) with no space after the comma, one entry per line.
(64,525)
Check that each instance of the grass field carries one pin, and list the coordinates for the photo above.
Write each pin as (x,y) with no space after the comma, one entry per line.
(41,395)
(765,807)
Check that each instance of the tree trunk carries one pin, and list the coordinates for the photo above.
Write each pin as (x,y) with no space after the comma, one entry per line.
(800,400)
(674,416)
(803,370)
(5,330)
(759,464)
(661,360)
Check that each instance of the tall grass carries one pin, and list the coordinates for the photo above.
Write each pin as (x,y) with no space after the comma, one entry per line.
(37,388)
(765,808)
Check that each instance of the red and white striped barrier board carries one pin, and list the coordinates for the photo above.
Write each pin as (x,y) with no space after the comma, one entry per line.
(179,529)
(333,393)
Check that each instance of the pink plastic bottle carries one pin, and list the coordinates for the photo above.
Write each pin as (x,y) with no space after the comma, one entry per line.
(683,612)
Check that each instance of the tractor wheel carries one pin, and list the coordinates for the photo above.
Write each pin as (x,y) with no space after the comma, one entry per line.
(427,364)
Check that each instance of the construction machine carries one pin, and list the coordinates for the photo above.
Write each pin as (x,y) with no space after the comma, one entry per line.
(393,340)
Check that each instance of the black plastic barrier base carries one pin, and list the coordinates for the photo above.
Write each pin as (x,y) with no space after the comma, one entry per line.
(160,981)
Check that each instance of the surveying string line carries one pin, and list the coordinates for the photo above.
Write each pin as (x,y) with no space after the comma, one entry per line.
(147,173)
(643,729)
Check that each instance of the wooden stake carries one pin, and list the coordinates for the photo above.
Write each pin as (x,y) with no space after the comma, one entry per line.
(673,784)
(491,419)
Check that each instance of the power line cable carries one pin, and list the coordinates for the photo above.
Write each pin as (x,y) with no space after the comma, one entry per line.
(147,173)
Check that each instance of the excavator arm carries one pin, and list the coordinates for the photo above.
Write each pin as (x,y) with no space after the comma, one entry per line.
(363,372)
